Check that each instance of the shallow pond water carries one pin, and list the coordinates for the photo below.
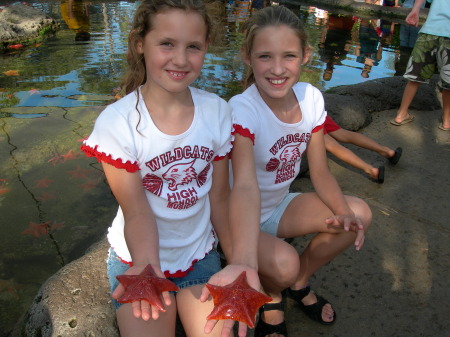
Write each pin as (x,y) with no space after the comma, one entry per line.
(54,202)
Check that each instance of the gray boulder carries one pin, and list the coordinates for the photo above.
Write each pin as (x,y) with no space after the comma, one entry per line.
(348,111)
(351,105)
(75,302)
(20,23)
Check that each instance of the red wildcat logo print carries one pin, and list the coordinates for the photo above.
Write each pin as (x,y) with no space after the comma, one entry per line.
(285,165)
(201,180)
(153,184)
(180,174)
(272,165)
(290,154)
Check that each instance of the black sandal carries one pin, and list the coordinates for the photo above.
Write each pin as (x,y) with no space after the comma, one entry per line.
(313,311)
(263,329)
(380,178)
(396,157)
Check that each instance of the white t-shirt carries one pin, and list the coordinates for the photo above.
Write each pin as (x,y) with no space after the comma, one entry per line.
(278,146)
(176,172)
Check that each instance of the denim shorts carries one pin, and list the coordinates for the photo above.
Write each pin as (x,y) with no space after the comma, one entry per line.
(200,274)
(271,225)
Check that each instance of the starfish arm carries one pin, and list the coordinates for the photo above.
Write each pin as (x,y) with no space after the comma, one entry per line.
(142,291)
(236,301)
(145,287)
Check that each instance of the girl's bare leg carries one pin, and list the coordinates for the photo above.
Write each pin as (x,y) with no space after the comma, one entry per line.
(306,214)
(193,313)
(358,139)
(130,326)
(349,156)
(279,266)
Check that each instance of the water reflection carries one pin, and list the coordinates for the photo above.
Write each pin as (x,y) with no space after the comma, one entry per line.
(408,37)
(54,202)
(75,14)
(335,41)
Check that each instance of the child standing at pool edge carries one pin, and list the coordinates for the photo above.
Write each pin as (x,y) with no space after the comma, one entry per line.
(277,119)
(164,150)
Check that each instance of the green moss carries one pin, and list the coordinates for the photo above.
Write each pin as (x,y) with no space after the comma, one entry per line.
(47,30)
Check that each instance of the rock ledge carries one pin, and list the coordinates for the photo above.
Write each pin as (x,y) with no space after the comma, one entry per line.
(23,24)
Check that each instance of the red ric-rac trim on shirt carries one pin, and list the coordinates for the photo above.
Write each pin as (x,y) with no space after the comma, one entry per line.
(219,158)
(317,128)
(178,273)
(243,132)
(103,157)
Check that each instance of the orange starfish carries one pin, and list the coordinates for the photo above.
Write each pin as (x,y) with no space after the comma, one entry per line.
(46,196)
(37,229)
(56,226)
(79,172)
(10,286)
(145,286)
(11,73)
(55,159)
(3,188)
(69,155)
(237,301)
(89,185)
(45,182)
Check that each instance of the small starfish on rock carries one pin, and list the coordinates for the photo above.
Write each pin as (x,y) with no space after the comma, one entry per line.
(55,159)
(44,182)
(145,286)
(237,301)
(37,229)
(70,155)
(46,196)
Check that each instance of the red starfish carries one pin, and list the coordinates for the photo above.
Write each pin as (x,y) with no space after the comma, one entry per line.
(10,286)
(56,225)
(37,229)
(237,301)
(79,172)
(89,185)
(69,155)
(145,286)
(3,188)
(43,182)
(55,159)
(46,196)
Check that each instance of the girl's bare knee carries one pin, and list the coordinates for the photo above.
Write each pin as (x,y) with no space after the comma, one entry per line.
(288,267)
(362,211)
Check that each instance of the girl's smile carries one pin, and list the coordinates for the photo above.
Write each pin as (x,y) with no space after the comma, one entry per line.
(178,75)
(278,82)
